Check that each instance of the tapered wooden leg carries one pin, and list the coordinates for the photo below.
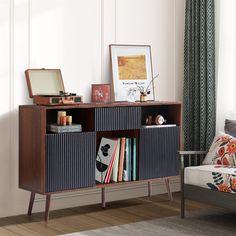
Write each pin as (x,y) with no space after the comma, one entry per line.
(47,207)
(31,203)
(167,181)
(103,198)
(149,188)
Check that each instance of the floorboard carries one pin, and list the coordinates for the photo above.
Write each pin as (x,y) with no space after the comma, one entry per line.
(93,217)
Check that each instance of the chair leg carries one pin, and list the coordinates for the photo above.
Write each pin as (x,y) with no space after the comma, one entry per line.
(47,207)
(31,203)
(167,182)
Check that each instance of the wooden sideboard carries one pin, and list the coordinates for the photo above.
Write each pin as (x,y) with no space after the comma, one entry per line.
(50,163)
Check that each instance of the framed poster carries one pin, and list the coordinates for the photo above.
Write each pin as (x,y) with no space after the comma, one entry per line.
(131,72)
(101,93)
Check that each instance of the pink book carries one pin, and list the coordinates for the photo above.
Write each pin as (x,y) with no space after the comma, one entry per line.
(108,176)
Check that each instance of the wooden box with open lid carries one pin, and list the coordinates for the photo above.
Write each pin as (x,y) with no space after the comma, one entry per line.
(46,87)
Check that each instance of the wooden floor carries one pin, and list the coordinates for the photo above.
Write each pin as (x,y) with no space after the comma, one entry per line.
(94,217)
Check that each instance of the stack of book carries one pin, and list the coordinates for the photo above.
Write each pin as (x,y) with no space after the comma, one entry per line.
(116,160)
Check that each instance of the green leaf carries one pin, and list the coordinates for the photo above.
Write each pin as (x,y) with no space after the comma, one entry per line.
(212,186)
(223,144)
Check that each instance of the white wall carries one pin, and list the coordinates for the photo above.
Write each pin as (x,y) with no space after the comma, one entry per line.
(74,35)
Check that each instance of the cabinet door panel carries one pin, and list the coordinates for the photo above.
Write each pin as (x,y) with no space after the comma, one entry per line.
(117,118)
(158,152)
(70,161)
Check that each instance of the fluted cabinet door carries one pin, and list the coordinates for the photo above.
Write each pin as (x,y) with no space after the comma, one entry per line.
(70,161)
(158,152)
(117,118)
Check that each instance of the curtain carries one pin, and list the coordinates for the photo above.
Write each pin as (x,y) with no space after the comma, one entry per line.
(199,105)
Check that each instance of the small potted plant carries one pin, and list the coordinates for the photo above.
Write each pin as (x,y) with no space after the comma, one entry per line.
(145,91)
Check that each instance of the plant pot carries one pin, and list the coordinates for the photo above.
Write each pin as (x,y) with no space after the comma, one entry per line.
(143,98)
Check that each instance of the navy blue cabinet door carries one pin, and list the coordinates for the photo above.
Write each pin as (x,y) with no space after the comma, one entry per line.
(158,152)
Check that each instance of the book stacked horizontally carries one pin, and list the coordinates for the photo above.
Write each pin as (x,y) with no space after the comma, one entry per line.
(116,160)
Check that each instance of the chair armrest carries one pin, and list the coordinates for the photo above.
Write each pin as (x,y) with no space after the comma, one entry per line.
(191,158)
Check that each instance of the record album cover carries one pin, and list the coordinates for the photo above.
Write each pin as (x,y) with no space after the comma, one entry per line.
(106,153)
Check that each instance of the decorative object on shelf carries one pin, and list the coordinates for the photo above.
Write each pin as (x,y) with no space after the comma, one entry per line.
(63,120)
(59,114)
(64,129)
(159,120)
(101,93)
(131,70)
(46,87)
(68,120)
(143,98)
(145,91)
(149,120)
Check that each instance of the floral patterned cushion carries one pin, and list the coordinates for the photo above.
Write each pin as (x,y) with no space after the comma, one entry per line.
(223,182)
(222,151)
(216,177)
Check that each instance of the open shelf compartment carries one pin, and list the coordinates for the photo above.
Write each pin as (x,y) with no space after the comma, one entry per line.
(83,116)
(170,113)
(119,134)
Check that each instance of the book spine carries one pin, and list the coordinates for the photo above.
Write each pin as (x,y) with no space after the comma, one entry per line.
(129,159)
(134,160)
(121,159)
(114,174)
(126,161)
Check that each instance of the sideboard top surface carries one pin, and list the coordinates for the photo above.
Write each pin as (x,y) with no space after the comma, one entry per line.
(114,104)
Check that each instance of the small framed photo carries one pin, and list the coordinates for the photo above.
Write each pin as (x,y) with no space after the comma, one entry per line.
(101,93)
(131,72)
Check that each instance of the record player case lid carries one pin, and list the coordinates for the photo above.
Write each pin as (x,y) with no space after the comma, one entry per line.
(44,82)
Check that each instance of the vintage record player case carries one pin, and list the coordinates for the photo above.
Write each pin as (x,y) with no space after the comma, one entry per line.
(46,87)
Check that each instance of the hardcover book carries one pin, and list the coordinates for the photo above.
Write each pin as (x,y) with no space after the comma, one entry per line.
(121,162)
(64,129)
(114,175)
(127,161)
(108,175)
(133,165)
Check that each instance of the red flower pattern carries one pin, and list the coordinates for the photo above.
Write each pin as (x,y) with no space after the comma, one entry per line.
(224,188)
(233,183)
(231,147)
(224,161)
(225,138)
(221,151)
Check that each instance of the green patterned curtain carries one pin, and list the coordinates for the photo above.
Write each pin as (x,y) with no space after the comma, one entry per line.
(199,115)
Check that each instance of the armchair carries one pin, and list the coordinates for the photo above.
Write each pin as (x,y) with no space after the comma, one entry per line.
(220,188)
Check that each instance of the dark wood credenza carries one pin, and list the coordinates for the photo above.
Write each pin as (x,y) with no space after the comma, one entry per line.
(51,163)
